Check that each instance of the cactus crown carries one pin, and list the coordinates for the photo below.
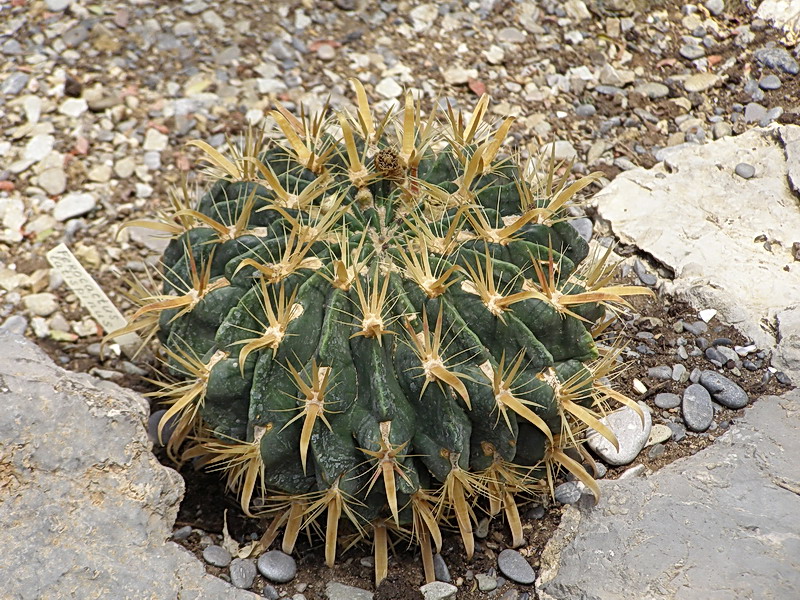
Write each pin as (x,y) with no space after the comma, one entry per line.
(381,322)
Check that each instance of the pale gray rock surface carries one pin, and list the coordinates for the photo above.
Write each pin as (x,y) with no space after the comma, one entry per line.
(718,525)
(74,452)
(695,230)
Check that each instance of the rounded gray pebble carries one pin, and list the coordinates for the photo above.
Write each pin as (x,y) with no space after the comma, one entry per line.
(182,533)
(600,470)
(715,356)
(243,573)
(535,513)
(584,226)
(692,51)
(270,592)
(745,170)
(678,431)
(15,324)
(585,110)
(482,528)
(662,372)
(567,493)
(440,570)
(770,82)
(277,566)
(696,327)
(152,427)
(667,400)
(723,390)
(217,556)
(514,566)
(641,272)
(771,115)
(486,583)
(715,7)
(679,373)
(697,409)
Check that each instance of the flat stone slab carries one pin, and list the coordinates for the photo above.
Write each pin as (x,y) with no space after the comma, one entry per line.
(85,507)
(728,240)
(718,525)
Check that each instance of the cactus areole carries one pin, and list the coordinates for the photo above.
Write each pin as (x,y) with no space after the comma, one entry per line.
(382,326)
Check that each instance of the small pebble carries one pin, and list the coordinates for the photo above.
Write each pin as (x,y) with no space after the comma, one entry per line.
(678,431)
(700,82)
(715,7)
(721,130)
(166,431)
(666,400)
(277,566)
(217,556)
(567,493)
(652,90)
(535,513)
(243,573)
(697,409)
(723,390)
(661,372)
(783,378)
(326,52)
(514,566)
(600,470)
(696,327)
(482,528)
(438,590)
(634,471)
(679,373)
(754,112)
(631,431)
(715,356)
(641,272)
(339,591)
(15,324)
(692,51)
(770,82)
(583,225)
(657,450)
(485,582)
(182,533)
(440,569)
(773,114)
(659,434)
(745,170)
(271,593)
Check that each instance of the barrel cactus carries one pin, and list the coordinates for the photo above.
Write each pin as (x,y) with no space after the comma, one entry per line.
(378,327)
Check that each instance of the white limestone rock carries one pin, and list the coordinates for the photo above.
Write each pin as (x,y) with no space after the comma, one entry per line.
(707,234)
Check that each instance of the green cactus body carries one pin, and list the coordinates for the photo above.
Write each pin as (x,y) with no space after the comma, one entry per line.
(378,324)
